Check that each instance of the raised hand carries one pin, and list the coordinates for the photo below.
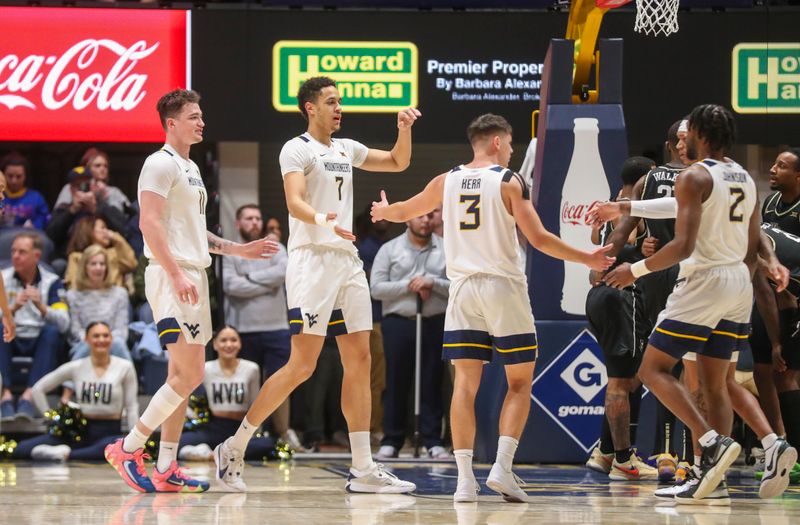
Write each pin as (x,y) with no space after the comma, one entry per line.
(602,212)
(379,208)
(258,249)
(407,117)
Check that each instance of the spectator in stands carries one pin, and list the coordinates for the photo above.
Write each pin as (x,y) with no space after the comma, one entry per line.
(41,317)
(436,224)
(95,298)
(106,386)
(121,258)
(231,384)
(96,162)
(255,302)
(23,206)
(84,202)
(409,271)
(274,227)
(9,328)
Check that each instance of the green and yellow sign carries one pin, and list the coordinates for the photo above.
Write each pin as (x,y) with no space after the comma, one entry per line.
(766,78)
(372,77)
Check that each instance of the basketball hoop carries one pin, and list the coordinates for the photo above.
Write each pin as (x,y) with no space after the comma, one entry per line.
(656,17)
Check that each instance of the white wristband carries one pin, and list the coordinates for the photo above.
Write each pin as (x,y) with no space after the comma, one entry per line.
(639,269)
(321,220)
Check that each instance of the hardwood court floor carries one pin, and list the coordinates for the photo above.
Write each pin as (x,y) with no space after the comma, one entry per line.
(307,492)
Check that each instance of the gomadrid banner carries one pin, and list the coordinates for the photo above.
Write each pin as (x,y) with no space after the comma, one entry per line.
(89,74)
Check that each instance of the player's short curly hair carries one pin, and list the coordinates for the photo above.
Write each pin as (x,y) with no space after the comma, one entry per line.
(796,153)
(714,124)
(310,90)
(485,125)
(171,104)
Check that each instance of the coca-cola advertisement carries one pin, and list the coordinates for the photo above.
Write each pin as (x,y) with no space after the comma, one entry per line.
(89,74)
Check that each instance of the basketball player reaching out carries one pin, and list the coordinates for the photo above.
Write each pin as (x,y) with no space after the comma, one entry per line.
(709,310)
(488,307)
(326,286)
(173,200)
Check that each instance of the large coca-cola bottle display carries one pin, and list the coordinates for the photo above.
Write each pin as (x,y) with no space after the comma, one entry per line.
(584,184)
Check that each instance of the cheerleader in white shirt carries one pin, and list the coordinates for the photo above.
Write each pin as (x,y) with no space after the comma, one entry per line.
(231,385)
(105,386)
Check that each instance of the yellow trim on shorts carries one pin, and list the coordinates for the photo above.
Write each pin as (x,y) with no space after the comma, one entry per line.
(59,306)
(169,330)
(340,321)
(449,345)
(729,334)
(296,321)
(519,349)
(684,336)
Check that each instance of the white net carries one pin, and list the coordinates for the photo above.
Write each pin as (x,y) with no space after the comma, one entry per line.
(656,17)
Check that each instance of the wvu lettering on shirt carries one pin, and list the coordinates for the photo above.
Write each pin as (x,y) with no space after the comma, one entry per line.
(338,167)
(96,393)
(231,393)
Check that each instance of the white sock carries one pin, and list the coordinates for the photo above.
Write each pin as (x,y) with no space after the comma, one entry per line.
(134,440)
(167,453)
(697,460)
(361,451)
(243,435)
(161,406)
(708,438)
(769,440)
(464,463)
(506,448)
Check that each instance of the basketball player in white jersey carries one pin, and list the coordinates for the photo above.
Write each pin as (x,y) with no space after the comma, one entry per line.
(172,199)
(327,290)
(716,240)
(488,312)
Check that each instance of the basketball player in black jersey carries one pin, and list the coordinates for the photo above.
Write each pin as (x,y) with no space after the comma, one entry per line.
(618,321)
(782,211)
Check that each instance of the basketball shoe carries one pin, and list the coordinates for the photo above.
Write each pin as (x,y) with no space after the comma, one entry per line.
(176,480)
(130,466)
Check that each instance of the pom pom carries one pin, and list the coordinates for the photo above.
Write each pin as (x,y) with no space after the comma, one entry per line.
(197,413)
(67,423)
(7,447)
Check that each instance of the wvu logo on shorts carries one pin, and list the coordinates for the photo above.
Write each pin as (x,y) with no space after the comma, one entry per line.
(571,389)
(194,329)
(312,319)
(372,77)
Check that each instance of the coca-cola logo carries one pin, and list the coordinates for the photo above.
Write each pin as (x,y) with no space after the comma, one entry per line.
(64,72)
(576,214)
(68,79)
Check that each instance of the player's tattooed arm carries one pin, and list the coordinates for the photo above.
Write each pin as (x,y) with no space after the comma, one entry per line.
(218,245)
(258,249)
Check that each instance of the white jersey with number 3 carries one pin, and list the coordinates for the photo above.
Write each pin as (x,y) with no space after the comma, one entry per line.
(178,180)
(329,186)
(479,233)
(724,226)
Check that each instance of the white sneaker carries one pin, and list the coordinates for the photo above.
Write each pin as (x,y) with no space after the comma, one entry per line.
(50,452)
(439,452)
(201,452)
(387,452)
(506,483)
(290,436)
(466,491)
(600,462)
(377,480)
(779,460)
(717,497)
(678,488)
(230,464)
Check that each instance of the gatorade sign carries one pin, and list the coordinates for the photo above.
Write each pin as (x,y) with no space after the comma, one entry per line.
(766,78)
(372,77)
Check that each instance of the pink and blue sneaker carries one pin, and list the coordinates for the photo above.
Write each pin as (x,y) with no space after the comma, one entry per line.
(130,466)
(176,480)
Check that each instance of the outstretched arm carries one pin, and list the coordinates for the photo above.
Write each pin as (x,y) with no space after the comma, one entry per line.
(541,239)
(420,204)
(259,249)
(399,157)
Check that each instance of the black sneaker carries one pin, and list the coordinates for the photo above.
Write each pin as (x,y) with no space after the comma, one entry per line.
(779,460)
(716,459)
(717,497)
